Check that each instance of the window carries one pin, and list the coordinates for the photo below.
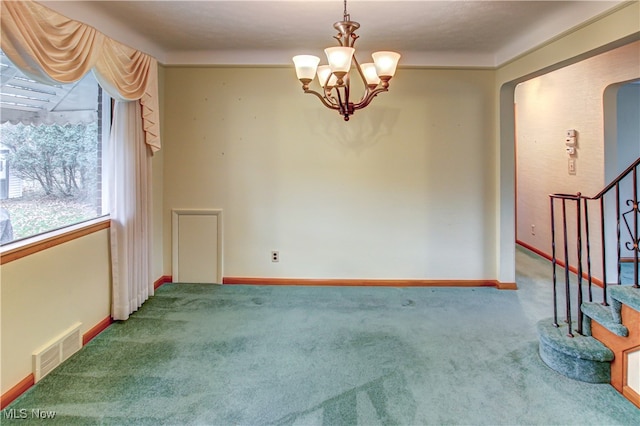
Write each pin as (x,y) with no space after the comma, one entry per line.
(51,153)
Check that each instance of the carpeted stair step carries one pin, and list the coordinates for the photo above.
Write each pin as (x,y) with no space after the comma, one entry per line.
(580,358)
(626,294)
(604,316)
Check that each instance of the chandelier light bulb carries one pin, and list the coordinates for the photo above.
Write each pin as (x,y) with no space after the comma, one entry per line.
(324,74)
(386,63)
(339,59)
(370,74)
(306,66)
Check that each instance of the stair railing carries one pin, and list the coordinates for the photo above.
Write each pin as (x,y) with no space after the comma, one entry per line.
(583,241)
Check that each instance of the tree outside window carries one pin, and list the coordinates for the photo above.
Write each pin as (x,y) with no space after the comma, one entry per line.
(51,158)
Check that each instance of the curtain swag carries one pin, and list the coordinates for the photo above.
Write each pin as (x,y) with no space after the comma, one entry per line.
(51,48)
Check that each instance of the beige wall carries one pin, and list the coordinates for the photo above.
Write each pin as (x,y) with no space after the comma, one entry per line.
(44,294)
(402,190)
(568,98)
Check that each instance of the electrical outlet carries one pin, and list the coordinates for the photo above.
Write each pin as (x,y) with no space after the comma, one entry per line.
(275,256)
(533,230)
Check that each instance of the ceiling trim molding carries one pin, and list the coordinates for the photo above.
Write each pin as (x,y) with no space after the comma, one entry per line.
(283,58)
(564,22)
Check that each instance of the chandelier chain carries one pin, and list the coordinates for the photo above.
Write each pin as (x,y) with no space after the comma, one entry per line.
(347,17)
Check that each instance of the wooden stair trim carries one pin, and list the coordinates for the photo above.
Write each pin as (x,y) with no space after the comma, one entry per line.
(631,395)
(627,391)
(619,345)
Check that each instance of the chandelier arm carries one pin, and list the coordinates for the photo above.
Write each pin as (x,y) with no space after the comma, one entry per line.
(349,39)
(340,104)
(347,95)
(355,60)
(368,97)
(322,98)
(347,89)
(331,99)
(354,37)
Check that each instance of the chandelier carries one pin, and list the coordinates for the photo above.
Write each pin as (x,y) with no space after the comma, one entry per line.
(335,79)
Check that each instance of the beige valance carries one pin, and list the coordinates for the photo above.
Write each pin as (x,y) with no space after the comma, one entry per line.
(50,48)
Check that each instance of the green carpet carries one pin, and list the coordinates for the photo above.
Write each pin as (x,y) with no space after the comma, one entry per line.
(626,273)
(246,355)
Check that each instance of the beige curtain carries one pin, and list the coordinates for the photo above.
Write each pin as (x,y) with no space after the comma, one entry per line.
(129,173)
(51,48)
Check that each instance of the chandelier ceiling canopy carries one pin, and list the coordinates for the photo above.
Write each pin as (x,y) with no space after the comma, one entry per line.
(335,78)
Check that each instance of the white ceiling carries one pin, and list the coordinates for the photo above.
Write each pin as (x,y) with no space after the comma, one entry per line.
(427,33)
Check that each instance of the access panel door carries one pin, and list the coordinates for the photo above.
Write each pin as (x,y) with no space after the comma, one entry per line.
(197,246)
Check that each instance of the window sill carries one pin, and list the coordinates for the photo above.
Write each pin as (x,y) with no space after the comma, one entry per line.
(23,248)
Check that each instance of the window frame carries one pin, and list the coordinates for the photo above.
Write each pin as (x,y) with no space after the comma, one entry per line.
(28,246)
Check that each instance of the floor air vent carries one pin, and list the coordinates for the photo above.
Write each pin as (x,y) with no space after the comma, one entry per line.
(56,352)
